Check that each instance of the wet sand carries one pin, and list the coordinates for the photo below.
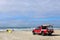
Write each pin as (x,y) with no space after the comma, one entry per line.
(27,35)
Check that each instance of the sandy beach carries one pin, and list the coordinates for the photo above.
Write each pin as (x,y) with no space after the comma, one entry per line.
(27,35)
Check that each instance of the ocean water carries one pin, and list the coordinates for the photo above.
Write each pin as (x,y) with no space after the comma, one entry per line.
(16,28)
(20,28)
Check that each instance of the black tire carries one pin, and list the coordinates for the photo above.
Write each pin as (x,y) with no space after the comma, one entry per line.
(34,33)
(50,34)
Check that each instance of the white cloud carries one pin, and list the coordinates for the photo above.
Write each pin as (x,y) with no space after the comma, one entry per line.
(29,5)
(28,9)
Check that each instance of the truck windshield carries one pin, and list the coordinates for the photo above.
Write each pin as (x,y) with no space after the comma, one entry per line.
(44,27)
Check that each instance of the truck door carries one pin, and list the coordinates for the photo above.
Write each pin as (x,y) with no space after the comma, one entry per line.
(38,30)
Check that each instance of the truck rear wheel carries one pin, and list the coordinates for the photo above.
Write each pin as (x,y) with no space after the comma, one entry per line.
(34,33)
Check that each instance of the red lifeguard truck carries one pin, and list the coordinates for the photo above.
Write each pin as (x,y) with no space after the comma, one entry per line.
(43,30)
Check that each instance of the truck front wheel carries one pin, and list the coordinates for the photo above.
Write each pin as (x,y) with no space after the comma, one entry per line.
(50,34)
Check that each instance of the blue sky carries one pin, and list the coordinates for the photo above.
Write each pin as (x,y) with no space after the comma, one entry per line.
(29,12)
